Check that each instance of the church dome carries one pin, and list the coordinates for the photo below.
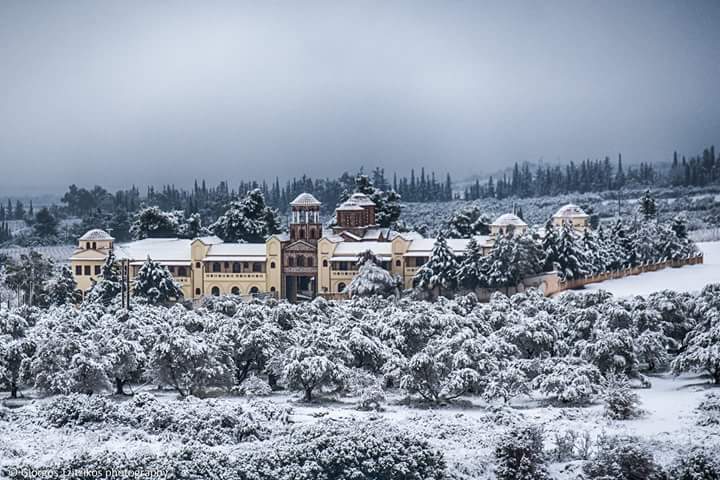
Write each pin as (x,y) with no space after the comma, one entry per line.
(509,219)
(96,234)
(570,211)
(305,200)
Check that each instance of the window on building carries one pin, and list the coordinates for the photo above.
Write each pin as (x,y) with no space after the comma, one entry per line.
(254,290)
(272,264)
(325,263)
(310,261)
(291,261)
(198,265)
(227,265)
(216,267)
(198,291)
(302,234)
(215,291)
(86,269)
(94,246)
(171,269)
(97,269)
(236,267)
(257,267)
(245,265)
(272,289)
(398,263)
(182,272)
(301,261)
(341,287)
(87,245)
(235,291)
(78,269)
(312,234)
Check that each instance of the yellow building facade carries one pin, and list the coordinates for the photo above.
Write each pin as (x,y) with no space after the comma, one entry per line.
(307,261)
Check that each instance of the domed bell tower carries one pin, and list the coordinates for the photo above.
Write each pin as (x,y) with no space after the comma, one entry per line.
(305,219)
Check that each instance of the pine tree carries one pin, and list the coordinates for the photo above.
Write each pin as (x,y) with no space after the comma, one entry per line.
(109,285)
(470,269)
(549,245)
(372,279)
(648,207)
(440,271)
(64,289)
(571,256)
(155,283)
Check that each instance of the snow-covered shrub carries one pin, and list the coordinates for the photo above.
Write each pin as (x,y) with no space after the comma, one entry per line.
(519,454)
(187,463)
(621,403)
(697,465)
(226,304)
(346,450)
(75,409)
(15,348)
(505,383)
(253,386)
(570,380)
(571,445)
(371,398)
(372,279)
(622,458)
(611,351)
(709,410)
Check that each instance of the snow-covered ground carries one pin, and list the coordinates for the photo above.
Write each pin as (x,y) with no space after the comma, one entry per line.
(691,278)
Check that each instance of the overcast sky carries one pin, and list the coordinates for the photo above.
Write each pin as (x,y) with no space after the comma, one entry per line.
(164,92)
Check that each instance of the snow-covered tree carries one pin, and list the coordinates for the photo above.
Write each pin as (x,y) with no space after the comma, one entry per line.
(470,270)
(569,379)
(468,222)
(15,348)
(29,275)
(151,222)
(571,256)
(247,220)
(372,279)
(387,203)
(505,384)
(63,288)
(155,283)
(702,349)
(189,361)
(109,286)
(122,347)
(307,372)
(440,271)
(192,227)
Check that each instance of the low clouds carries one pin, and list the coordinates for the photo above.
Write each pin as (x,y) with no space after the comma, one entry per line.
(161,92)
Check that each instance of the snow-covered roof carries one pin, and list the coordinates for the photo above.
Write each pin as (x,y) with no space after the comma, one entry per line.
(159,249)
(305,200)
(210,240)
(570,211)
(96,234)
(362,200)
(348,206)
(422,247)
(353,249)
(237,250)
(509,219)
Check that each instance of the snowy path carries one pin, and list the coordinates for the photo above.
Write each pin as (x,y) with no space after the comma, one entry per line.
(691,278)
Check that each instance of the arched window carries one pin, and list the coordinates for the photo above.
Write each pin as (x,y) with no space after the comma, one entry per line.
(302,233)
(87,245)
(272,289)
(291,261)
(310,261)
(254,290)
(272,264)
(94,246)
(215,291)
(341,287)
(235,291)
(236,267)
(398,263)
(198,291)
(198,265)
(325,263)
(301,261)
(312,234)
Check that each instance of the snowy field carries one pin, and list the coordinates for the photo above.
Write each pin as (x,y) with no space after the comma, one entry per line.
(691,278)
